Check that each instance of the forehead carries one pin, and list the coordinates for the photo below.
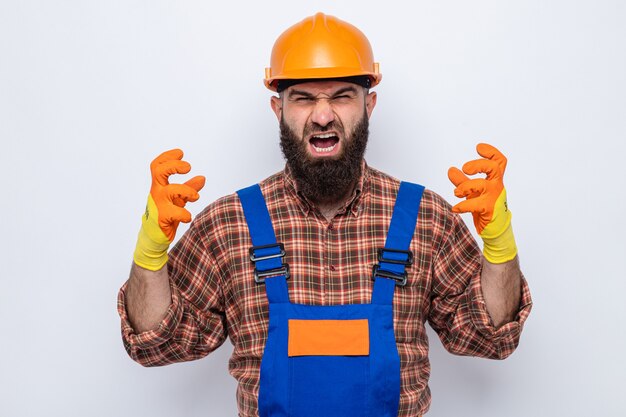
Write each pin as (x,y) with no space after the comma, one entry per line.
(323,87)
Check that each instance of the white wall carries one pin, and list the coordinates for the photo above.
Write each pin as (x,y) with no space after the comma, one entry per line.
(91,91)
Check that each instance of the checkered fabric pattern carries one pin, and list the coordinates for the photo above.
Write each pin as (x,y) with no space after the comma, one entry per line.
(214,295)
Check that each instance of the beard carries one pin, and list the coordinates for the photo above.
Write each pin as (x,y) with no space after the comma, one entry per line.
(325,179)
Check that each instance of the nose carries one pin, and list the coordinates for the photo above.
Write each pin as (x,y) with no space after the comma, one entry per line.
(322,113)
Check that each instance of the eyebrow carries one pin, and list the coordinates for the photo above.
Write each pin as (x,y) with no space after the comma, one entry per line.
(306,94)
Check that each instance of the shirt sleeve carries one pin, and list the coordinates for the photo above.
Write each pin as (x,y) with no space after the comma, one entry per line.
(194,324)
(458,312)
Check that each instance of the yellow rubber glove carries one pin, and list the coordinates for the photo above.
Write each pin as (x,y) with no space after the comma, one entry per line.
(486,200)
(165,209)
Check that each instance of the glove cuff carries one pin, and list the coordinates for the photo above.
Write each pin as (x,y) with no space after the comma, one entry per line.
(152,244)
(502,248)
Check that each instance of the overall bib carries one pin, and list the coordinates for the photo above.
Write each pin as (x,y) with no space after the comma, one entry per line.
(330,361)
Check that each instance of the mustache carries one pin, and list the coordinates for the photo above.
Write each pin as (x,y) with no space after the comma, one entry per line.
(313,127)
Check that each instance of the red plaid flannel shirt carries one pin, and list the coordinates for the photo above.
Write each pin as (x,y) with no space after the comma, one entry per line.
(214,294)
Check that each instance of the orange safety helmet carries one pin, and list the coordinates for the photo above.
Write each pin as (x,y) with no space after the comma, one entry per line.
(319,47)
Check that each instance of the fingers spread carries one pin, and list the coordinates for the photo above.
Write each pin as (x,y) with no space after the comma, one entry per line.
(196,182)
(179,202)
(472,205)
(168,156)
(456,176)
(487,166)
(173,167)
(175,214)
(181,191)
(491,152)
(471,188)
(162,171)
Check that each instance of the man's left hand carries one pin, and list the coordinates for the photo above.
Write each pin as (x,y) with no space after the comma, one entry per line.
(486,200)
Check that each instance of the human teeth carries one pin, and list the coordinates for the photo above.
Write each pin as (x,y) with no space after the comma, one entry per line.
(325,136)
(330,148)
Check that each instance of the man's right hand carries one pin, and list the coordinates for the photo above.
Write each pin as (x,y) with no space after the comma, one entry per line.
(165,209)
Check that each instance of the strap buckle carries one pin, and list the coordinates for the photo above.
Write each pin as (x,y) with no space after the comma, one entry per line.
(280,254)
(400,278)
(259,276)
(408,253)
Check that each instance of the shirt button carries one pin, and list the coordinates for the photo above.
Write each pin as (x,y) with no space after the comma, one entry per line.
(330,226)
(332,267)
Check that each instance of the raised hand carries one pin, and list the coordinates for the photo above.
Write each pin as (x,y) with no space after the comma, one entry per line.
(165,209)
(485,198)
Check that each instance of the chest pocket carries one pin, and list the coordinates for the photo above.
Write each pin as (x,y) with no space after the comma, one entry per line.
(328,337)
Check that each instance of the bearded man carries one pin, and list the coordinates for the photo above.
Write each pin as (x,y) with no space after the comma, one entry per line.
(324,275)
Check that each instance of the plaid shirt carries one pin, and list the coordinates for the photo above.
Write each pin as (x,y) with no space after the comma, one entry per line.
(214,294)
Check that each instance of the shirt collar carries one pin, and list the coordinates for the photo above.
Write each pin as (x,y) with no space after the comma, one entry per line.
(353,204)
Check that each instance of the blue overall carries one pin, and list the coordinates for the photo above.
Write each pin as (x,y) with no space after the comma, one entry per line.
(328,385)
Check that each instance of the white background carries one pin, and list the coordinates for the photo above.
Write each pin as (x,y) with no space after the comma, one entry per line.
(91,91)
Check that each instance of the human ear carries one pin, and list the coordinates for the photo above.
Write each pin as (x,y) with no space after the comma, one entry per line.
(370,103)
(277,106)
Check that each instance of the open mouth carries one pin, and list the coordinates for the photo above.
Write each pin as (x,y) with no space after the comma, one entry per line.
(324,143)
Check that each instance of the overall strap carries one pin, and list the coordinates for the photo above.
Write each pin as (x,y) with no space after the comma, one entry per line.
(395,256)
(265,253)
